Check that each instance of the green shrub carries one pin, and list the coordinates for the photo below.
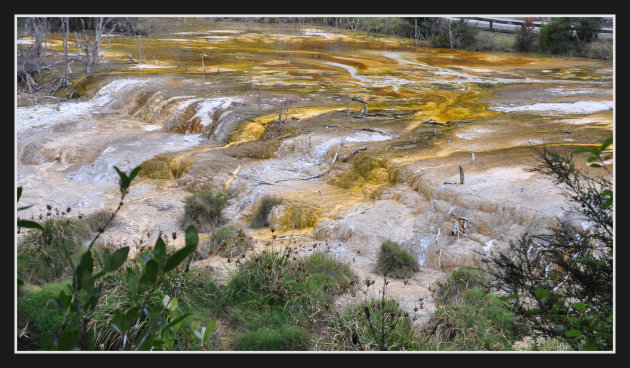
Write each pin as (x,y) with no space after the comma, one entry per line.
(454,34)
(556,37)
(195,296)
(598,50)
(479,321)
(272,279)
(561,281)
(362,328)
(205,209)
(262,214)
(229,241)
(267,339)
(461,280)
(395,262)
(586,28)
(42,257)
(274,292)
(38,309)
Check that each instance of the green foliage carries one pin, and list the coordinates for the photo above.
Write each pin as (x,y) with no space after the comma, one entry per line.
(39,309)
(454,34)
(570,36)
(140,319)
(125,180)
(451,291)
(205,209)
(42,254)
(525,37)
(395,262)
(478,320)
(586,28)
(560,283)
(274,291)
(268,339)
(371,325)
(116,313)
(228,241)
(556,37)
(273,279)
(262,214)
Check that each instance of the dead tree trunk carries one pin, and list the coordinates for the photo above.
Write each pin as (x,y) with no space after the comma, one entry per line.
(92,49)
(139,50)
(65,22)
(461,174)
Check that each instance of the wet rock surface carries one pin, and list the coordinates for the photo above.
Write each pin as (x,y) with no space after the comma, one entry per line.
(348,179)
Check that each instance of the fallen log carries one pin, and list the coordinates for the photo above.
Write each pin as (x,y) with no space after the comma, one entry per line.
(433,122)
(362,148)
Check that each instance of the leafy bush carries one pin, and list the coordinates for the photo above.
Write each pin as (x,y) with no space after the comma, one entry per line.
(395,262)
(192,296)
(556,37)
(262,214)
(159,318)
(586,28)
(205,209)
(560,283)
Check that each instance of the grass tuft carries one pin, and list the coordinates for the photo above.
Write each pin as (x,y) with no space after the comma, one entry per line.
(275,291)
(229,241)
(42,255)
(261,218)
(371,325)
(205,209)
(272,339)
(393,261)
(470,317)
(38,309)
(461,280)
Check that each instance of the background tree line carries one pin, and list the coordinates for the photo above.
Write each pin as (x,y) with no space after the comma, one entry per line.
(40,69)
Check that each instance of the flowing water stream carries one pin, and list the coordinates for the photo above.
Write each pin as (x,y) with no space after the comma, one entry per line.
(355,159)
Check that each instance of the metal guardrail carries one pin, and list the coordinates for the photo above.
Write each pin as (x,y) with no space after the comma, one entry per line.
(511,25)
